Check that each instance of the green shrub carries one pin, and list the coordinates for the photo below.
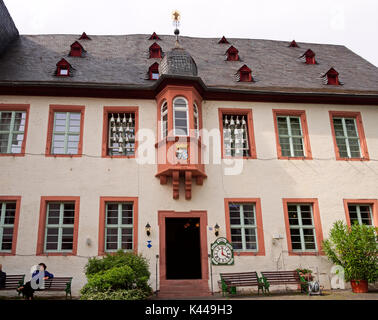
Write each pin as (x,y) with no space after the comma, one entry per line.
(112,276)
(355,249)
(133,294)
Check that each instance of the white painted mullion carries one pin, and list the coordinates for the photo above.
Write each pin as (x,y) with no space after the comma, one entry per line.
(10,135)
(346,137)
(359,214)
(119,227)
(2,219)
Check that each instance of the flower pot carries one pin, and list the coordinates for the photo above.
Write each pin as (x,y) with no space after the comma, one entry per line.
(359,286)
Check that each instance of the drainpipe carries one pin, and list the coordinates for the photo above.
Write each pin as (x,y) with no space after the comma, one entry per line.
(156,275)
(211,274)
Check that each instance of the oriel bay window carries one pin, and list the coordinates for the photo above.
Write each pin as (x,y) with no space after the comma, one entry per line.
(58,225)
(9,212)
(65,131)
(237,133)
(244,226)
(292,134)
(348,135)
(118,224)
(119,132)
(303,227)
(13,125)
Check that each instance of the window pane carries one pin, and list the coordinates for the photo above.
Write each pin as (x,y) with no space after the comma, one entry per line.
(53,213)
(111,239)
(6,243)
(67,238)
(127,214)
(52,239)
(69,213)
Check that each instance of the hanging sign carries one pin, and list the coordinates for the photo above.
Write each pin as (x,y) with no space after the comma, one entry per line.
(222,252)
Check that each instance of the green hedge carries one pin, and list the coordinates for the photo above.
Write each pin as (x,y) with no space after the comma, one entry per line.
(118,276)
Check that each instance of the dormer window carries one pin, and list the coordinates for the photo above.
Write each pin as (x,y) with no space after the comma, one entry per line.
(245,74)
(154,36)
(309,55)
(223,40)
(84,37)
(293,44)
(77,50)
(332,77)
(153,71)
(63,68)
(232,54)
(155,51)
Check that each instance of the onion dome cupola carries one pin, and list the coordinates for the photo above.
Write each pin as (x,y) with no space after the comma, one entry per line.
(178,61)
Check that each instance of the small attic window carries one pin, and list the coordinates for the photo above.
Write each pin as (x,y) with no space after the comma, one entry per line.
(332,77)
(245,74)
(232,54)
(77,50)
(154,36)
(84,37)
(309,55)
(153,71)
(63,68)
(293,44)
(223,40)
(155,51)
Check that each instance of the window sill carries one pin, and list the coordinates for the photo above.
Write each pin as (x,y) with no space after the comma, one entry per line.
(64,155)
(351,159)
(306,253)
(248,253)
(22,154)
(48,254)
(294,158)
(245,157)
(7,254)
(120,157)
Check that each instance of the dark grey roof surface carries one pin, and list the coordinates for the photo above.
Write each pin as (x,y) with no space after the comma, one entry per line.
(123,60)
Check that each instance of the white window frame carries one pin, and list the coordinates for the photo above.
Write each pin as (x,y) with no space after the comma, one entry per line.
(243,226)
(187,116)
(290,136)
(163,133)
(11,132)
(196,120)
(66,133)
(358,211)
(346,137)
(3,207)
(300,226)
(119,226)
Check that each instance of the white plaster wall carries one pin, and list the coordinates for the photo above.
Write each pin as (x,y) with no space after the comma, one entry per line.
(271,180)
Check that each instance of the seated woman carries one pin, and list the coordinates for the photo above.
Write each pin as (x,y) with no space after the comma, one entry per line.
(28,289)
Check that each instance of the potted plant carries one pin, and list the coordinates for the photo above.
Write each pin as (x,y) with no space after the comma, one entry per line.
(355,249)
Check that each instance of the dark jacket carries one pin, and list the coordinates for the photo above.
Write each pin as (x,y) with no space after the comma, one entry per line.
(47,274)
(3,276)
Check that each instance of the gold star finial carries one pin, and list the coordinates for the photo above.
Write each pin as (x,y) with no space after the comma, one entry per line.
(176,16)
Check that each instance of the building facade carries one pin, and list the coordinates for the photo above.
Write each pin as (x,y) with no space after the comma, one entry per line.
(142,143)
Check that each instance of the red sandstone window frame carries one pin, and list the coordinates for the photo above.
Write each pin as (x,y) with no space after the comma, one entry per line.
(372,202)
(16,199)
(360,130)
(306,138)
(251,135)
(105,129)
(42,225)
(17,107)
(317,224)
(102,215)
(259,224)
(50,127)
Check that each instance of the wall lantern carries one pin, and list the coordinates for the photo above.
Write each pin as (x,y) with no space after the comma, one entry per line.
(148,229)
(216,228)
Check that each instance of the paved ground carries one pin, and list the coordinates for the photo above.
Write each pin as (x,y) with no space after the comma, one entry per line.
(327,295)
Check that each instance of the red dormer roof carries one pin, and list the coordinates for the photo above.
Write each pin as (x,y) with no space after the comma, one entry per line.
(245,74)
(153,71)
(155,51)
(223,40)
(84,37)
(76,49)
(154,36)
(332,77)
(309,56)
(63,68)
(293,44)
(232,54)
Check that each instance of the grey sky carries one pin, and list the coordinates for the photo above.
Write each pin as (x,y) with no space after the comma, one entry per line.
(351,23)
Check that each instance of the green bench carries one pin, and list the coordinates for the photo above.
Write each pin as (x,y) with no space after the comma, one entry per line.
(282,278)
(58,284)
(13,281)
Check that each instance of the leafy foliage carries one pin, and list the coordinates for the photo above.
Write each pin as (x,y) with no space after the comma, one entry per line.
(123,275)
(355,249)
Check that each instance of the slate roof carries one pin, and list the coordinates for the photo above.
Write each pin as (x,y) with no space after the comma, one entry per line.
(123,60)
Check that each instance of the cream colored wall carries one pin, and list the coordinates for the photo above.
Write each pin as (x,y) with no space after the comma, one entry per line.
(271,180)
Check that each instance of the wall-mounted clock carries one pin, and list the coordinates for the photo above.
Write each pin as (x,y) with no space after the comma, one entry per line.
(222,252)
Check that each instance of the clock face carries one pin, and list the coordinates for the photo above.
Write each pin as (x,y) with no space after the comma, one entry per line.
(222,254)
